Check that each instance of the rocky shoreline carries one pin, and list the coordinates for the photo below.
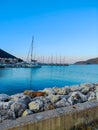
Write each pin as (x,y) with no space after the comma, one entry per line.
(30,102)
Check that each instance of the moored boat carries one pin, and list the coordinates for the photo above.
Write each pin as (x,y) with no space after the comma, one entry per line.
(32,63)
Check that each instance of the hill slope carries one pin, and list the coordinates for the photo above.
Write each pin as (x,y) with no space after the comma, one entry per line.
(89,61)
(4,54)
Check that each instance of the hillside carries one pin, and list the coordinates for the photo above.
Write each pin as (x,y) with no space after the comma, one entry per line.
(89,61)
(4,54)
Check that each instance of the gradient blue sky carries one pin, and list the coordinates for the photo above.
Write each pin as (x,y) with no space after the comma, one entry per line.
(61,27)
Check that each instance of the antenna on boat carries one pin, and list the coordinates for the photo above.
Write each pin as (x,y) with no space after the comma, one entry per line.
(32,48)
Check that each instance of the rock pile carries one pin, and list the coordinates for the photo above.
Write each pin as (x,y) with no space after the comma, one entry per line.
(29,102)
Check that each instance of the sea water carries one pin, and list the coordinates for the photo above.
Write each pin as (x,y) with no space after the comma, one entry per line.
(15,80)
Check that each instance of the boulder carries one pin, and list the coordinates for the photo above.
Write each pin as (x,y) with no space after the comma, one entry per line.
(62,103)
(76,97)
(1,105)
(7,114)
(26,99)
(54,98)
(61,91)
(6,105)
(4,97)
(67,90)
(95,84)
(38,98)
(49,91)
(21,101)
(81,97)
(16,97)
(91,96)
(36,105)
(27,112)
(96,91)
(49,106)
(11,114)
(75,88)
(18,108)
(46,100)
(85,88)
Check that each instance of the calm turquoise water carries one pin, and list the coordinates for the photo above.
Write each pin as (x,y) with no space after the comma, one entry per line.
(14,80)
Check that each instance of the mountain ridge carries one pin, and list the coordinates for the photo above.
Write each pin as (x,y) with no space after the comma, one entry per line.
(4,54)
(89,61)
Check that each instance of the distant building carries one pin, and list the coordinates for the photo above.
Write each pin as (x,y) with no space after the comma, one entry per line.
(8,58)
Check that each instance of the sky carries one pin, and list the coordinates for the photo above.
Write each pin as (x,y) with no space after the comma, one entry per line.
(60,28)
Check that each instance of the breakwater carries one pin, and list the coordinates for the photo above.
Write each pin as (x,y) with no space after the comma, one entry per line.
(64,108)
(65,118)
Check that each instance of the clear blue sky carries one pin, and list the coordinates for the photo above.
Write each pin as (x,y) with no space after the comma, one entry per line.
(60,27)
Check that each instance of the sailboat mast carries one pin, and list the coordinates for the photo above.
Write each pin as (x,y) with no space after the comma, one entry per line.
(32,48)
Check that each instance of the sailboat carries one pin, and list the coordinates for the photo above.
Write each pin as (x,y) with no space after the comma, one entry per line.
(32,63)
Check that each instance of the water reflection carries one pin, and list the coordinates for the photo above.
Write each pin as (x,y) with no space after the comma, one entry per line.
(13,80)
(1,73)
(4,72)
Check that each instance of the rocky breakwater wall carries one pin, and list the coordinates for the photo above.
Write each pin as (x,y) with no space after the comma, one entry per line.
(58,100)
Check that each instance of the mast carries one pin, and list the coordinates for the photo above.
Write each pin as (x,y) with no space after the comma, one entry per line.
(32,48)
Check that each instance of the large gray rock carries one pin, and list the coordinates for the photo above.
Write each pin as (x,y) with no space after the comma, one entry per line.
(96,91)
(4,97)
(7,114)
(76,97)
(46,100)
(95,84)
(38,98)
(85,88)
(6,105)
(91,96)
(87,85)
(21,98)
(27,112)
(21,101)
(63,96)
(81,97)
(62,103)
(1,105)
(74,88)
(54,98)
(26,99)
(49,106)
(18,108)
(36,105)
(16,97)
(49,91)
(61,91)
(11,114)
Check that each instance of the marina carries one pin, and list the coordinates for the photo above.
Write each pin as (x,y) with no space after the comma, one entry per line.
(9,61)
(48,65)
